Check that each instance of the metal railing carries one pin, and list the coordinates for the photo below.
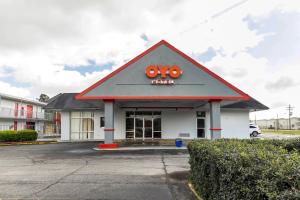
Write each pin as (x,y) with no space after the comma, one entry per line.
(22,114)
(6,127)
(43,130)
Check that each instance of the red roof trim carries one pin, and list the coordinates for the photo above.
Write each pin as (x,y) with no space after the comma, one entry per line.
(216,98)
(243,96)
(157,107)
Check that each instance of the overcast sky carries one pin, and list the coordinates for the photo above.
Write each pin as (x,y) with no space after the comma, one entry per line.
(66,45)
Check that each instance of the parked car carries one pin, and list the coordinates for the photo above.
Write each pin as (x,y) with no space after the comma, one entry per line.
(254,130)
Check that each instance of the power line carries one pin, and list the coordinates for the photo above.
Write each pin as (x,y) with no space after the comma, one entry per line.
(216,15)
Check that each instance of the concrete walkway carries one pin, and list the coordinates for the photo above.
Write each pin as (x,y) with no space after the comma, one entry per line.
(137,148)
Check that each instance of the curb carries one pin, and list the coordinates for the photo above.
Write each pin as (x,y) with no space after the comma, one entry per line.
(27,143)
(194,191)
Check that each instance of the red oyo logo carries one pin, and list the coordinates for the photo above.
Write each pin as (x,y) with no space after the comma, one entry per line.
(152,71)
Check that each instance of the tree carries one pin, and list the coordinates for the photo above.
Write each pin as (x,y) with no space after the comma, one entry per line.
(44,98)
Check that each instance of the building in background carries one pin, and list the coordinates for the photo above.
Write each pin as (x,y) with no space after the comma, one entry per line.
(17,113)
(52,127)
(281,123)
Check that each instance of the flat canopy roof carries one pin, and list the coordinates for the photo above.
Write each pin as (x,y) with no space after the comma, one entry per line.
(67,101)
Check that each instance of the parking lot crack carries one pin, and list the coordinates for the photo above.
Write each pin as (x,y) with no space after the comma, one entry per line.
(60,179)
(167,177)
(34,161)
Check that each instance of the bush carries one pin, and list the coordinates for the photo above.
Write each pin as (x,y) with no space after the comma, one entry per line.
(290,144)
(16,136)
(244,169)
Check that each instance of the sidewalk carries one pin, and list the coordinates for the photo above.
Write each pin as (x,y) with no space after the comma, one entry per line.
(48,139)
(136,148)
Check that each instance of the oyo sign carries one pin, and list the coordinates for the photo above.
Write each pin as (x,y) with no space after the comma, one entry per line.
(152,71)
(163,71)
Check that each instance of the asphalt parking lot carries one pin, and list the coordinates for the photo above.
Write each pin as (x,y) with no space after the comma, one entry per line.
(76,171)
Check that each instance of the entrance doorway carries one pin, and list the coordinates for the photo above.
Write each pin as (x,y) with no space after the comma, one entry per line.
(143,125)
(30,125)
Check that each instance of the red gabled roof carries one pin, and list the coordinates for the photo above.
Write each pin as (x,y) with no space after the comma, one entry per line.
(243,96)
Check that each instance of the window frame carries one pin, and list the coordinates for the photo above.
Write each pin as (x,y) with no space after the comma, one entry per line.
(80,118)
(201,116)
(102,122)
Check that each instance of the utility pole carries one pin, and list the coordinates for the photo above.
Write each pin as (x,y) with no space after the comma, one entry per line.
(277,123)
(290,110)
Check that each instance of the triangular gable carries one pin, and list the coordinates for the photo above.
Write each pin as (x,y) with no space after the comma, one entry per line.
(131,81)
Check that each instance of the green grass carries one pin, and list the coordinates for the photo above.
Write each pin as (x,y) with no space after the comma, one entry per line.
(286,132)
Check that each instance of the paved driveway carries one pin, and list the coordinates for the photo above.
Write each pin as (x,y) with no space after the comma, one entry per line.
(76,171)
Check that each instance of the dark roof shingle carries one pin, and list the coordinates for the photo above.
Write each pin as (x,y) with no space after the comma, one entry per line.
(67,101)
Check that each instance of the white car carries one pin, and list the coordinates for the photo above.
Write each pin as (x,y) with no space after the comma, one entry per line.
(254,130)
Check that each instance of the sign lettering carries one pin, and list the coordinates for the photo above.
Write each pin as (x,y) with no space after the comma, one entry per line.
(163,71)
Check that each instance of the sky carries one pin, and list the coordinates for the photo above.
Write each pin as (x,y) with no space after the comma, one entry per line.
(55,46)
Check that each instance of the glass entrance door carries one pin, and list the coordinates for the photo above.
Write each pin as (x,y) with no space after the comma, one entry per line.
(143,127)
(143,124)
(139,127)
(148,127)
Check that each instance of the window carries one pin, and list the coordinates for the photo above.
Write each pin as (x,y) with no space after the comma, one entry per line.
(102,122)
(200,124)
(82,125)
(157,127)
(130,124)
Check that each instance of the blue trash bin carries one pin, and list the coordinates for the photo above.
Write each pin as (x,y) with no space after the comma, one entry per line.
(178,142)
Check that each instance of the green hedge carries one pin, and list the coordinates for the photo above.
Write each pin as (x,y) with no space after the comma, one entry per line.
(16,136)
(289,144)
(244,169)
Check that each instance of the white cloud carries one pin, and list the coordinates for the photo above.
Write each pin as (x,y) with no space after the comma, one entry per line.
(8,89)
(38,38)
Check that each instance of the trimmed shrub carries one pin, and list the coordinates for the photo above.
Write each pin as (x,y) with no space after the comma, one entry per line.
(17,136)
(8,135)
(244,169)
(27,135)
(293,144)
(289,144)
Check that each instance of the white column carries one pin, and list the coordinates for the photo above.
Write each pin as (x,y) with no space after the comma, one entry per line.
(109,121)
(215,119)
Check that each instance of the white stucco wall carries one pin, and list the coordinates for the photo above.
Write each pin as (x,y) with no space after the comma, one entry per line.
(235,124)
(98,131)
(119,123)
(176,122)
(65,126)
